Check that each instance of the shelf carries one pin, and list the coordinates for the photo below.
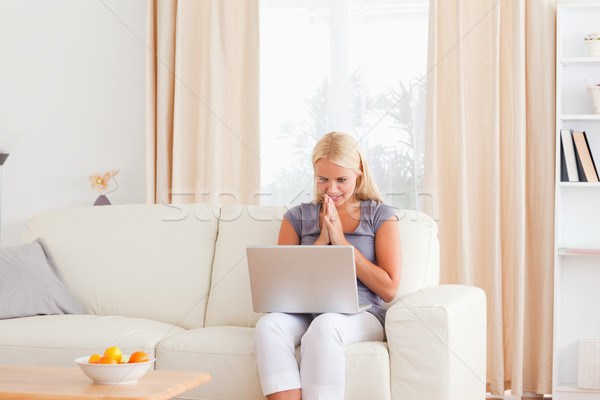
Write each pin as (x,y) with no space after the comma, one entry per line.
(580,185)
(579,117)
(577,204)
(572,388)
(579,251)
(580,61)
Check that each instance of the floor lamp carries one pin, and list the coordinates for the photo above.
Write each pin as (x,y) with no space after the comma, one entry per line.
(3,157)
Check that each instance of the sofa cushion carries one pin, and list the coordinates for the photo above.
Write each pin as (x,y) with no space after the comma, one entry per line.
(146,261)
(230,300)
(226,353)
(31,285)
(367,371)
(56,340)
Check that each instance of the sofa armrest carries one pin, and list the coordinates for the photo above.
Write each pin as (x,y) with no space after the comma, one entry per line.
(437,343)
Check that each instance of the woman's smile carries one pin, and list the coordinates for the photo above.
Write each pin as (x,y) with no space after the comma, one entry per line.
(335,181)
(335,197)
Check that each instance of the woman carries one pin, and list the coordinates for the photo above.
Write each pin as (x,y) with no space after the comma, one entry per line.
(348,211)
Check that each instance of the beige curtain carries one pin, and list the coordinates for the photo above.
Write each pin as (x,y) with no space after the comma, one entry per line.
(490,166)
(202,108)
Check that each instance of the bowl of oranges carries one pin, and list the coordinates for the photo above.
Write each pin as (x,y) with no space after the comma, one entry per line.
(114,368)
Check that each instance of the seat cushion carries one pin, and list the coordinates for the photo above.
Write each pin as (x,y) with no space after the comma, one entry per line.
(226,354)
(367,371)
(56,340)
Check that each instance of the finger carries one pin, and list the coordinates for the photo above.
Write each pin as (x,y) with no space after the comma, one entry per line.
(333,214)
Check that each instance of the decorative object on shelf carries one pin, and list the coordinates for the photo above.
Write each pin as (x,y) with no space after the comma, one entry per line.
(100,184)
(592,43)
(588,369)
(594,91)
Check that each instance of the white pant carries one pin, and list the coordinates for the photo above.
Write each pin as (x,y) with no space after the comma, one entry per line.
(322,360)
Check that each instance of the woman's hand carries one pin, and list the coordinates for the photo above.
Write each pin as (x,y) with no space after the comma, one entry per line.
(332,223)
(323,238)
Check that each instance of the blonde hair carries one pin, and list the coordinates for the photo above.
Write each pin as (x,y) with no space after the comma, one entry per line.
(343,150)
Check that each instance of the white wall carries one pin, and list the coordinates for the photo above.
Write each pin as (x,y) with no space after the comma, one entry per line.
(72,82)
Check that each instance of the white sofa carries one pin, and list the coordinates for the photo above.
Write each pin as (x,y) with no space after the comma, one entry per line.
(173,281)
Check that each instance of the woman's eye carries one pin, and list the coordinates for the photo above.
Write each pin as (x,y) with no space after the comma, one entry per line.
(322,179)
(341,180)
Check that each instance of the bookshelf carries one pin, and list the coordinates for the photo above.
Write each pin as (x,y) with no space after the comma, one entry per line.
(577,204)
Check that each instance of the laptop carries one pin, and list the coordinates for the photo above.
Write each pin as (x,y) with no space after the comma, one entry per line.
(303,279)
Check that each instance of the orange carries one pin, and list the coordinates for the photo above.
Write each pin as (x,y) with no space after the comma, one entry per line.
(94,358)
(107,360)
(139,356)
(115,352)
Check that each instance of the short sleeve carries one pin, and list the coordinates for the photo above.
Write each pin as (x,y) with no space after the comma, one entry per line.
(294,216)
(382,213)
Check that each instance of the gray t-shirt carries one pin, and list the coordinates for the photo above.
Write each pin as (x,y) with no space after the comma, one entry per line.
(304,218)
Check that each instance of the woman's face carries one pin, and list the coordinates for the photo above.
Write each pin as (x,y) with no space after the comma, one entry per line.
(335,181)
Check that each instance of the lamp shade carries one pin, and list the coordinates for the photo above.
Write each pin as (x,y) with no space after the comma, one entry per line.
(3,157)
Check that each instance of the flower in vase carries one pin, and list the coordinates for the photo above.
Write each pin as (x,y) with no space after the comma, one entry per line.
(100,182)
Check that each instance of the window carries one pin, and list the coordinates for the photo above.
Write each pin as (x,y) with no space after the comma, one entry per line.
(353,66)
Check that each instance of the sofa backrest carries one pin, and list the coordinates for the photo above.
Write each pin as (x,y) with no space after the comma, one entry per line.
(186,264)
(230,300)
(420,253)
(146,261)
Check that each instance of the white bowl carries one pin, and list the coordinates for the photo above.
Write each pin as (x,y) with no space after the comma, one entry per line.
(114,374)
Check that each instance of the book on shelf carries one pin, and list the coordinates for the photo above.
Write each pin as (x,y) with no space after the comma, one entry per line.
(584,158)
(563,165)
(569,171)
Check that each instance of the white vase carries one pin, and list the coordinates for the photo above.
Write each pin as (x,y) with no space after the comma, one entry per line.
(593,48)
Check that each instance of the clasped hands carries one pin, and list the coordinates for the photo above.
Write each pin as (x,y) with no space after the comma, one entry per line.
(332,231)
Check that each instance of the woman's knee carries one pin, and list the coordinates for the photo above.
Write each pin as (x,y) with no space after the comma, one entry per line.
(268,325)
(324,330)
(278,328)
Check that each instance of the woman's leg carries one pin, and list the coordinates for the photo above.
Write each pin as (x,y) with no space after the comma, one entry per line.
(292,394)
(322,358)
(275,339)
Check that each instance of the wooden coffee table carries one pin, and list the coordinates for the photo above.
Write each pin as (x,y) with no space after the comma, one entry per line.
(54,383)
